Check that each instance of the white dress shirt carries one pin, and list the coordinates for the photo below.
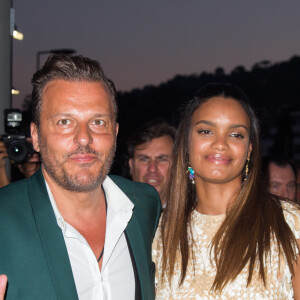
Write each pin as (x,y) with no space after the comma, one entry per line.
(116,278)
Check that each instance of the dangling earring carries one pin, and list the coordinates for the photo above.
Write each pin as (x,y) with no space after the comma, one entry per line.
(247,169)
(191,173)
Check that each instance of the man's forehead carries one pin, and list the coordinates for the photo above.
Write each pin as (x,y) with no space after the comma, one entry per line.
(151,154)
(63,93)
(63,83)
(155,148)
(281,173)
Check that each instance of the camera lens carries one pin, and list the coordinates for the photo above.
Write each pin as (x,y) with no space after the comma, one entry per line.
(17,151)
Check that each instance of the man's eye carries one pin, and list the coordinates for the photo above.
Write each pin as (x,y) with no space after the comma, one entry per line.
(64,122)
(144,159)
(291,185)
(274,185)
(162,159)
(98,122)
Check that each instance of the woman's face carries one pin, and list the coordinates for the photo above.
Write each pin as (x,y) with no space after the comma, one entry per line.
(219,141)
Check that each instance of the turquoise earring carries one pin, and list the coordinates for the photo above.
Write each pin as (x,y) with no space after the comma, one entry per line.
(191,173)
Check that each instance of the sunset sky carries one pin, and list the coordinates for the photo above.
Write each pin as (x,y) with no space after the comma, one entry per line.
(147,42)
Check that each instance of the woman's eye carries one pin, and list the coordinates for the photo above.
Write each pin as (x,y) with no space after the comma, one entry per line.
(204,131)
(237,135)
(64,122)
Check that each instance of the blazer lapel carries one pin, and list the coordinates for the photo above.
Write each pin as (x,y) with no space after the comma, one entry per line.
(135,239)
(52,239)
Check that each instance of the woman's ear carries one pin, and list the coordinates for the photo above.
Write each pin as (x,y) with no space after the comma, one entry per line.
(249,151)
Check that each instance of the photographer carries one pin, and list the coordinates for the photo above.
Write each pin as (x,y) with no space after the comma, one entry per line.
(3,176)
(18,170)
(17,146)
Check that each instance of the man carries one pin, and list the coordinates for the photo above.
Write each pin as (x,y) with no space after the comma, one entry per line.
(150,155)
(281,176)
(19,170)
(3,155)
(71,231)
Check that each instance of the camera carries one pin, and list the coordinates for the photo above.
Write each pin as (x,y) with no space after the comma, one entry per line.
(17,147)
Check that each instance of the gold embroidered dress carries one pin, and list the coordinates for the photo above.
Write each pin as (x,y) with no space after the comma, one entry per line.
(201,272)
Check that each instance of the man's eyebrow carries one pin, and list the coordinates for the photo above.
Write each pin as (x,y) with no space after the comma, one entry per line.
(101,115)
(163,155)
(68,115)
(61,115)
(214,125)
(142,155)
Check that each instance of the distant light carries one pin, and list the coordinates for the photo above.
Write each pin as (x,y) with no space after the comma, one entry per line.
(18,35)
(15,92)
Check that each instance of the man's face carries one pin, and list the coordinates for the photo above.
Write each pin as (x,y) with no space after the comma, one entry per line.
(282,181)
(151,163)
(77,134)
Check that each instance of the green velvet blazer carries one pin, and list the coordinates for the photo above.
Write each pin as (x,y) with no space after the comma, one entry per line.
(33,253)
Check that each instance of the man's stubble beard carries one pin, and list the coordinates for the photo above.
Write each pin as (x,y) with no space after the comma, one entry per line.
(71,182)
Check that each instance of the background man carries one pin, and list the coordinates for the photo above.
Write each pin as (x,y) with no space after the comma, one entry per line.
(281,177)
(74,231)
(150,151)
(19,170)
(3,176)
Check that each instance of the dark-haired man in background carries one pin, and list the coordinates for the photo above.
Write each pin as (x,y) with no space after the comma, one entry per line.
(150,150)
(281,176)
(72,231)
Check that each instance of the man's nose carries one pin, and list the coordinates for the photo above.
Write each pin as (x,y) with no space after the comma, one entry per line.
(83,135)
(152,165)
(284,192)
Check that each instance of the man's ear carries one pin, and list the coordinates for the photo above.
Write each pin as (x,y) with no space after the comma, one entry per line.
(35,137)
(130,166)
(117,129)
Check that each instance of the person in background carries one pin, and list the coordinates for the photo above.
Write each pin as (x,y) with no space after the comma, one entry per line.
(281,177)
(222,235)
(18,170)
(3,155)
(150,150)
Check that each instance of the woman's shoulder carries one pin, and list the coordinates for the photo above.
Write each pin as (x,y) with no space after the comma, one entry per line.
(291,212)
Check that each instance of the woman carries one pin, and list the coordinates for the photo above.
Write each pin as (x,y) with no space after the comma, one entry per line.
(221,235)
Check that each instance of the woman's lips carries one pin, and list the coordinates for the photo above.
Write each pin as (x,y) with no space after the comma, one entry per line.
(218,160)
